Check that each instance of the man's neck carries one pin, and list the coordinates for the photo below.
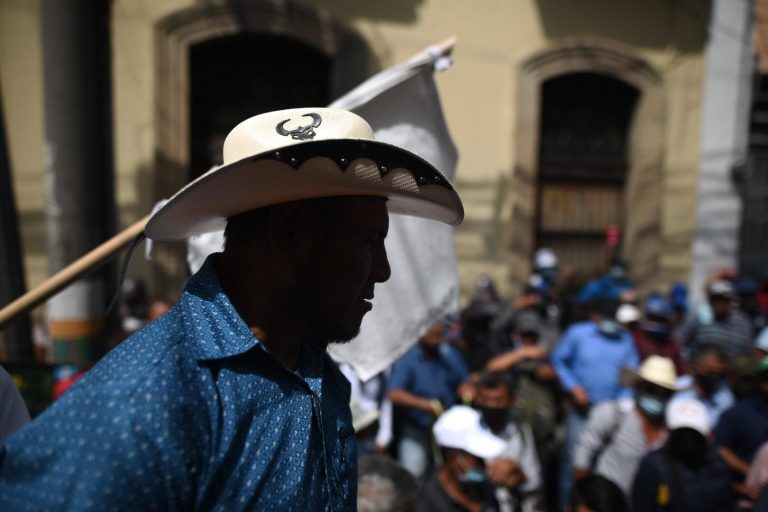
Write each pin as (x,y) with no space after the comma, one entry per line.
(263,311)
(706,396)
(651,430)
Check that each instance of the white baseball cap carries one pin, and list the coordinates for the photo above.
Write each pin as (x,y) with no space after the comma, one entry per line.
(688,413)
(544,258)
(627,313)
(459,427)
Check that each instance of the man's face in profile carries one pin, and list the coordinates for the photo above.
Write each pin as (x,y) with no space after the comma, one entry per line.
(336,285)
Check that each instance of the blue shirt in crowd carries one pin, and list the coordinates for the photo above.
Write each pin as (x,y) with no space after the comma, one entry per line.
(590,359)
(744,427)
(429,377)
(190,413)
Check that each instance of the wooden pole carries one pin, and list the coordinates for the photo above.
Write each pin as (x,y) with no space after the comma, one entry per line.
(91,261)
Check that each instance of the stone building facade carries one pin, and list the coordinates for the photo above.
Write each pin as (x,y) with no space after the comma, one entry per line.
(569,116)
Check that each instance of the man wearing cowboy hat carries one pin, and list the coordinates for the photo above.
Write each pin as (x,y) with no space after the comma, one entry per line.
(229,401)
(619,433)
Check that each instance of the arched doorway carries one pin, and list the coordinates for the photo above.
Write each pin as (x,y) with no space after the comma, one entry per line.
(216,65)
(558,73)
(583,164)
(223,95)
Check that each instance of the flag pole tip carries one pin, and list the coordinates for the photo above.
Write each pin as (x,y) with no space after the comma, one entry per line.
(446,45)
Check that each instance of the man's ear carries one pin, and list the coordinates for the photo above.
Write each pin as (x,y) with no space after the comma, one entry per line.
(288,230)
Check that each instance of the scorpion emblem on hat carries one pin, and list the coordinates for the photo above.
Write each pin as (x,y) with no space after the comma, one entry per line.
(302,132)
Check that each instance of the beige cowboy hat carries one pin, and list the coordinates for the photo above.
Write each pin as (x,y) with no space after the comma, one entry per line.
(656,370)
(305,153)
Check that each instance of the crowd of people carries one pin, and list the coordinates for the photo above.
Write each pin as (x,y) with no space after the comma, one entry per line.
(587,398)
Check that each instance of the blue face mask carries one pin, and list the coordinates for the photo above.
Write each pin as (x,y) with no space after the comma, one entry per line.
(475,483)
(651,406)
(473,480)
(473,476)
(609,328)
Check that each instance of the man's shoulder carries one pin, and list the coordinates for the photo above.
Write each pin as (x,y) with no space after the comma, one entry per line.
(653,462)
(612,413)
(450,353)
(739,317)
(411,357)
(736,412)
(582,328)
(154,362)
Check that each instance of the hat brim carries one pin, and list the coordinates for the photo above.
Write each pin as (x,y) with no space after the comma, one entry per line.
(629,377)
(314,169)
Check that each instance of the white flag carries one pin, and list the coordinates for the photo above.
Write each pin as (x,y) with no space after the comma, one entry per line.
(403,108)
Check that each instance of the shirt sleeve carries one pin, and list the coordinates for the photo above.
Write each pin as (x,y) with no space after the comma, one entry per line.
(458,366)
(602,420)
(90,449)
(632,361)
(562,358)
(758,470)
(384,434)
(529,461)
(13,410)
(401,375)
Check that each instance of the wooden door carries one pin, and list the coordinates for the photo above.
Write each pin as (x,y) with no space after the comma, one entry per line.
(582,167)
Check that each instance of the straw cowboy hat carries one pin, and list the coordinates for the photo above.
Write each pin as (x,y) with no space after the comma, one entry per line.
(304,153)
(656,370)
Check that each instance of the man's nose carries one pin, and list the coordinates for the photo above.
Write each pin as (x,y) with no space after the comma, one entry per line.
(381,270)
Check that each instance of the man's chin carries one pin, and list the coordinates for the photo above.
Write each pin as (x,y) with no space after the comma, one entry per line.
(345,337)
(335,338)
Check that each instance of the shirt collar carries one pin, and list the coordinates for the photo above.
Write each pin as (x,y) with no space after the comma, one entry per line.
(215,329)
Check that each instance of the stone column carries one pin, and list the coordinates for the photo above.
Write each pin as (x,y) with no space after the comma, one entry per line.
(724,130)
(80,181)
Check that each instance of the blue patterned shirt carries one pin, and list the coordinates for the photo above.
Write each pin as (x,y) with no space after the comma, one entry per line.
(190,413)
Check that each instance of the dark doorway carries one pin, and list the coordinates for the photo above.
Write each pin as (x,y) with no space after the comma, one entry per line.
(236,77)
(583,163)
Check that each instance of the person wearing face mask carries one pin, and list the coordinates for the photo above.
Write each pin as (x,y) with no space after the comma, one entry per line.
(619,433)
(516,474)
(686,474)
(706,382)
(744,427)
(719,323)
(654,335)
(609,286)
(587,361)
(461,482)
(424,382)
(535,381)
